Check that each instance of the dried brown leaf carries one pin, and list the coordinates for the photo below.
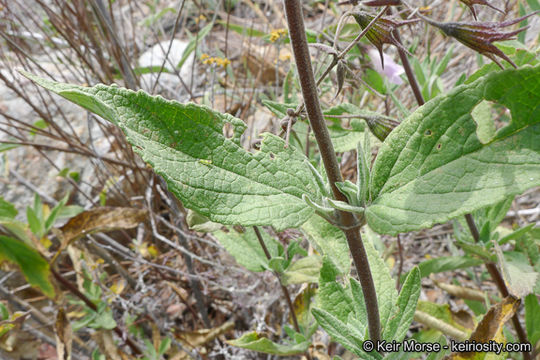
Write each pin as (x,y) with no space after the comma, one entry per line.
(64,335)
(491,326)
(193,339)
(102,219)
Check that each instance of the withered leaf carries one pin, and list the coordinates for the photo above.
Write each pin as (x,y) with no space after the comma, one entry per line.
(490,327)
(64,335)
(102,219)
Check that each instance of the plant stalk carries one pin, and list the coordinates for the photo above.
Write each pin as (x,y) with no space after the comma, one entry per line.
(349,224)
(409,71)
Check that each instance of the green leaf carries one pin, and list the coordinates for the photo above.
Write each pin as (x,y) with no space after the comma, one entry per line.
(164,346)
(70,211)
(433,167)
(55,212)
(329,241)
(486,128)
(104,318)
(150,351)
(404,310)
(375,80)
(201,223)
(446,263)
(35,223)
(519,276)
(363,163)
(34,268)
(491,216)
(344,334)
(534,5)
(335,298)
(341,310)
(516,234)
(303,270)
(385,286)
(209,172)
(532,318)
(7,210)
(246,249)
(253,341)
(441,67)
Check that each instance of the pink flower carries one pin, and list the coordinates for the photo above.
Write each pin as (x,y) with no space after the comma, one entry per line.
(391,70)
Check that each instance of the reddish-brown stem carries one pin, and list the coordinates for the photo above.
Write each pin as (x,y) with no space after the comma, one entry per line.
(408,69)
(73,289)
(348,222)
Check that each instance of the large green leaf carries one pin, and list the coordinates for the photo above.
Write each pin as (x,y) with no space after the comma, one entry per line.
(433,167)
(246,249)
(341,311)
(303,270)
(385,286)
(330,241)
(344,334)
(210,172)
(33,266)
(445,263)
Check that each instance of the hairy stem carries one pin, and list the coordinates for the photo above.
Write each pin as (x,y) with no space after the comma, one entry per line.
(342,54)
(349,223)
(499,281)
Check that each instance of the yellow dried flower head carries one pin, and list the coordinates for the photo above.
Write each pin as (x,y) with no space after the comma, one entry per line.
(277,34)
(207,60)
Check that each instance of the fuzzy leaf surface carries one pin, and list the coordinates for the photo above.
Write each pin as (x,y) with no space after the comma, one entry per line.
(209,172)
(404,310)
(433,167)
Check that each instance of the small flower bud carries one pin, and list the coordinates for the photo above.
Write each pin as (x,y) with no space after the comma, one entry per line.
(340,72)
(380,125)
(480,36)
(381,32)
